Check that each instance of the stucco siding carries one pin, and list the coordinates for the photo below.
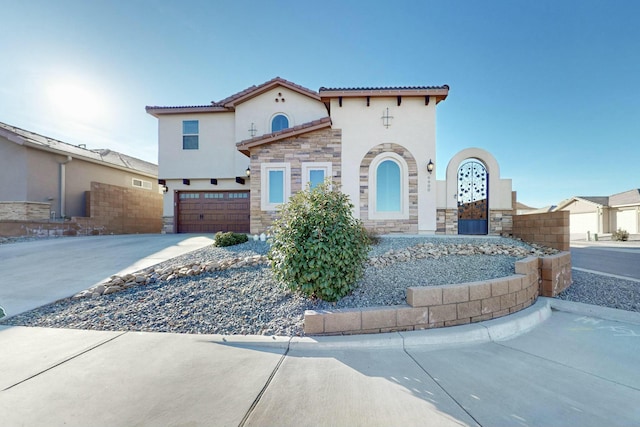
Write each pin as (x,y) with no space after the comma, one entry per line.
(412,127)
(298,108)
(13,171)
(216,156)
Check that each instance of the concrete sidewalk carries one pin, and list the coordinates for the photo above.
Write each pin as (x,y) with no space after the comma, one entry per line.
(39,272)
(539,367)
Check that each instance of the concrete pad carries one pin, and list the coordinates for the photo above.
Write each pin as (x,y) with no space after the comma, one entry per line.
(27,352)
(599,347)
(145,379)
(39,272)
(595,311)
(354,388)
(344,342)
(502,386)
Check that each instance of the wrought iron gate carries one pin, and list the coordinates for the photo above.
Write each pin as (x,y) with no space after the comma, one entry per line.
(473,198)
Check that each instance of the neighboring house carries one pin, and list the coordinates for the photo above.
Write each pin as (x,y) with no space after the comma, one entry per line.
(603,214)
(230,164)
(46,179)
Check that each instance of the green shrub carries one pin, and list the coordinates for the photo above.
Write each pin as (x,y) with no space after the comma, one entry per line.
(229,239)
(620,235)
(373,237)
(317,246)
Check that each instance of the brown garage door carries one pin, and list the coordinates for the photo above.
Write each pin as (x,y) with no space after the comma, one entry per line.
(213,211)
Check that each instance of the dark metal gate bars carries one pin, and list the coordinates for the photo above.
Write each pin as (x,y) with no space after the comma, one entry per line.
(473,198)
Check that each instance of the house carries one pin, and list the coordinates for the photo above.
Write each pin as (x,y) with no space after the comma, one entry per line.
(44,179)
(603,214)
(228,165)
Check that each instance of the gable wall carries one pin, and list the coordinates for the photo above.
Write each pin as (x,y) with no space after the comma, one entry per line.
(319,146)
(261,109)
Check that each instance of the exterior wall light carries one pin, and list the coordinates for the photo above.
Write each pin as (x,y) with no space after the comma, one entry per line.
(248,171)
(430,166)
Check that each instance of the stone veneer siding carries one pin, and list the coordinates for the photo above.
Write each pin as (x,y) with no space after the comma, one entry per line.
(548,229)
(501,222)
(447,221)
(450,305)
(319,146)
(393,225)
(24,211)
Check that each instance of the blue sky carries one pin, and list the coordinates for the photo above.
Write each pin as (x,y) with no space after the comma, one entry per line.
(550,88)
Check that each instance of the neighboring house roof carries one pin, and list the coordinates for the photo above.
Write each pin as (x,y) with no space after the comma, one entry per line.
(245,145)
(631,197)
(103,156)
(596,200)
(439,92)
(522,206)
(229,103)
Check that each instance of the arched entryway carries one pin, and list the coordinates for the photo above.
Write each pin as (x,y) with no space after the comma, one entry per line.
(473,198)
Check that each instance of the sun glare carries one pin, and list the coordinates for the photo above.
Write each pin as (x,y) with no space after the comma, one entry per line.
(76,101)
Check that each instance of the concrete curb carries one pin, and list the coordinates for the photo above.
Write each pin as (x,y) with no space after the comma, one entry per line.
(594,311)
(504,328)
(518,323)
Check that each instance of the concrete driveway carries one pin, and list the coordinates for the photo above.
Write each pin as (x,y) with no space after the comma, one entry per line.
(38,272)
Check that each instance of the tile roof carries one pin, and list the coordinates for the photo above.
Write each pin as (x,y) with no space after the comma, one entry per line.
(245,145)
(439,92)
(253,91)
(105,156)
(389,88)
(229,103)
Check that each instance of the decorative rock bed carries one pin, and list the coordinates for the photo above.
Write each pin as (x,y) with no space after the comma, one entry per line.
(450,305)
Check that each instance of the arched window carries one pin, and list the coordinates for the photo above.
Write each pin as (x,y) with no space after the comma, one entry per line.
(279,122)
(388,187)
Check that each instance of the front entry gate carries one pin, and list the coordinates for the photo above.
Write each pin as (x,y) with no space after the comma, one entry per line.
(473,198)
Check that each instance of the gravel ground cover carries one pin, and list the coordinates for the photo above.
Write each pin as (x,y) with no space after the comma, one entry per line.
(247,300)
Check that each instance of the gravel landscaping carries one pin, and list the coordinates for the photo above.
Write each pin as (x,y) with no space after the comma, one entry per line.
(246,300)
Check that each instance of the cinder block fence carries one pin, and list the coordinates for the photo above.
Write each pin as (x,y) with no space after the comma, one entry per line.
(450,305)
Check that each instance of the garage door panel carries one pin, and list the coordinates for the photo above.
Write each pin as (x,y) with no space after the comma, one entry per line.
(210,212)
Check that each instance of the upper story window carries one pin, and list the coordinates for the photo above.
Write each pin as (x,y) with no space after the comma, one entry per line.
(190,134)
(279,122)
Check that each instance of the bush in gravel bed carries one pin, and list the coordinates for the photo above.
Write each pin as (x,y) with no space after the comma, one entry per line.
(229,239)
(317,246)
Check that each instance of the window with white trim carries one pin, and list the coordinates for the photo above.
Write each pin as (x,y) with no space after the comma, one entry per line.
(279,122)
(190,134)
(315,173)
(135,182)
(388,187)
(275,185)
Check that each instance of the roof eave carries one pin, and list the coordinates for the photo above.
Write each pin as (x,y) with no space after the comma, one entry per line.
(160,111)
(245,146)
(439,93)
(260,90)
